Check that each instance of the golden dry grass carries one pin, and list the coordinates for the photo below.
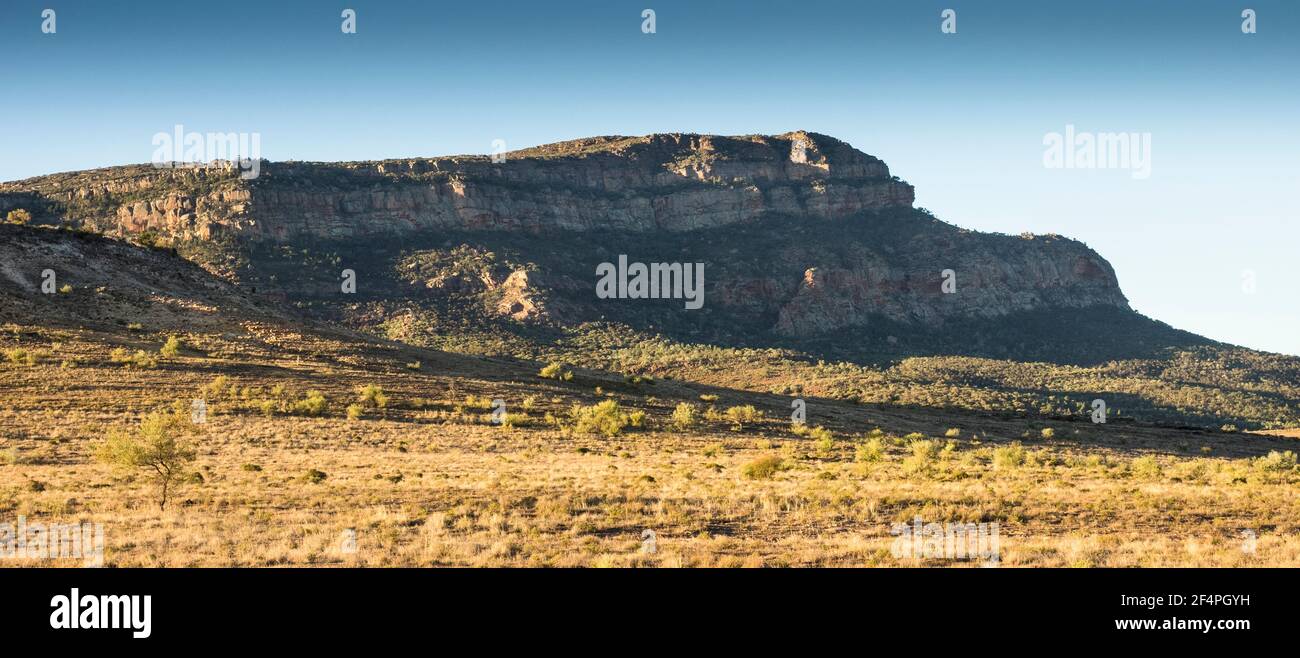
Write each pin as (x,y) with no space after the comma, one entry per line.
(430,481)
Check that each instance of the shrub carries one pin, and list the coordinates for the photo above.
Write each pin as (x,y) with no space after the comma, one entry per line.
(1145,467)
(1275,466)
(21,356)
(140,359)
(1009,457)
(636,418)
(18,216)
(171,348)
(555,370)
(685,416)
(354,411)
(479,403)
(65,289)
(871,451)
(924,455)
(822,438)
(953,432)
(373,396)
(252,468)
(763,468)
(314,404)
(1047,433)
(159,446)
(708,398)
(743,414)
(313,476)
(218,387)
(514,420)
(605,418)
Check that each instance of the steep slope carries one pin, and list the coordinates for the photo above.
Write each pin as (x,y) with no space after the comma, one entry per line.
(800,233)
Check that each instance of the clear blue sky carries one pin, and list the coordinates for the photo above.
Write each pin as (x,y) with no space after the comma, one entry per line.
(961,116)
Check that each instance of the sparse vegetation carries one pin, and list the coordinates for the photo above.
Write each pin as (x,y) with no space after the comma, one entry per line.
(160,446)
(314,404)
(742,415)
(1009,457)
(170,348)
(555,371)
(685,416)
(763,468)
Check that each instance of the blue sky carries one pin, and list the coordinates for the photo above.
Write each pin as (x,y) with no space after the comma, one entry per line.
(960,116)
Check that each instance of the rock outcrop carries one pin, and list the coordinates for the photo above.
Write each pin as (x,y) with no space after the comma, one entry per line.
(671,182)
(879,258)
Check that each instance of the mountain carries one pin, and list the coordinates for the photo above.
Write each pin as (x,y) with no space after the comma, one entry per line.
(475,402)
(818,272)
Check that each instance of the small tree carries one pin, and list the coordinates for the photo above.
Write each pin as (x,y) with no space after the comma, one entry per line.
(160,446)
(18,216)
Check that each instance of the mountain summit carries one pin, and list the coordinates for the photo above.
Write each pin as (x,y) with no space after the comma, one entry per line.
(802,234)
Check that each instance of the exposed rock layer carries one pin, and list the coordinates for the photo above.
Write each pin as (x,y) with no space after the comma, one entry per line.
(658,184)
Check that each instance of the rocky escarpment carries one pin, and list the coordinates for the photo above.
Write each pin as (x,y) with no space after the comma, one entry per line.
(671,182)
(800,233)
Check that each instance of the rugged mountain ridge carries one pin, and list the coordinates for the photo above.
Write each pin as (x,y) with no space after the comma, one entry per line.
(801,234)
(658,182)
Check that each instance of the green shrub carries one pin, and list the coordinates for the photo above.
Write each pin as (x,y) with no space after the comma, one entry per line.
(21,356)
(1145,467)
(555,370)
(872,450)
(171,348)
(354,411)
(140,359)
(314,404)
(1275,466)
(314,476)
(740,415)
(636,418)
(372,396)
(605,418)
(685,416)
(1010,457)
(763,468)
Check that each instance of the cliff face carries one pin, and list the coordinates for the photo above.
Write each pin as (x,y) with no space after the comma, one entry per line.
(671,196)
(659,182)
